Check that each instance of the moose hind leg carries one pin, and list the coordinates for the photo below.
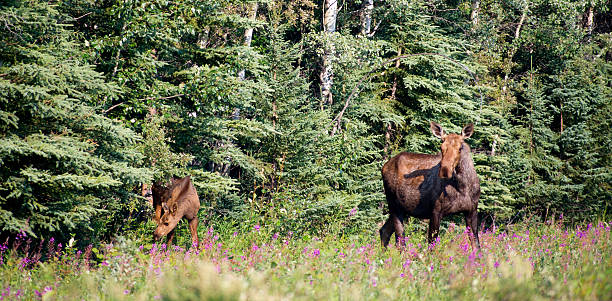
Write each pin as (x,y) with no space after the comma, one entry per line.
(398,227)
(471,221)
(193,227)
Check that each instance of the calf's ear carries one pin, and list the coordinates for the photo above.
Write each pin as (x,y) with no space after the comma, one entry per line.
(437,130)
(174,208)
(467,131)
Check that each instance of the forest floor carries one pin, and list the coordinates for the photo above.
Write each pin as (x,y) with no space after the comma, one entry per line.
(520,262)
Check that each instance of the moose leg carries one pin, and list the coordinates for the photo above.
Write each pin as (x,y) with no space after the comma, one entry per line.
(398,227)
(193,227)
(385,232)
(170,237)
(434,227)
(471,221)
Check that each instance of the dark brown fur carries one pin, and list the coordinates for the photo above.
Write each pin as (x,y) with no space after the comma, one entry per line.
(179,200)
(432,186)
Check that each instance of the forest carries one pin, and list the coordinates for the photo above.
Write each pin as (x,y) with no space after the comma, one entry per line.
(283,113)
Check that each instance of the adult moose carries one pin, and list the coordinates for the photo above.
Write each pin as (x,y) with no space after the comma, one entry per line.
(178,200)
(432,186)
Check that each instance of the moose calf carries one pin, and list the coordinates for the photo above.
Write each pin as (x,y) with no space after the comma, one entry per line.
(171,204)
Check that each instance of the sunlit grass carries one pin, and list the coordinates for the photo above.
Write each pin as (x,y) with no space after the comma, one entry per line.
(536,261)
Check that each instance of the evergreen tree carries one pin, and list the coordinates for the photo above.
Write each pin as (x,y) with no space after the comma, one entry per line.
(65,168)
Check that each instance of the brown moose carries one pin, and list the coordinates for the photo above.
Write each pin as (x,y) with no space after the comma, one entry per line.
(432,186)
(171,204)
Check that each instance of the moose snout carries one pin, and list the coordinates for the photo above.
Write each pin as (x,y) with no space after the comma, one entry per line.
(157,235)
(445,172)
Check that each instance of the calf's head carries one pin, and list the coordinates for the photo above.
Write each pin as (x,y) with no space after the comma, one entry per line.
(452,146)
(168,221)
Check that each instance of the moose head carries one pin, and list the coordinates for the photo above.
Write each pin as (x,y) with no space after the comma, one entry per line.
(452,146)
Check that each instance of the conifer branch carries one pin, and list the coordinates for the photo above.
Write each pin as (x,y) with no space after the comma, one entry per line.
(337,121)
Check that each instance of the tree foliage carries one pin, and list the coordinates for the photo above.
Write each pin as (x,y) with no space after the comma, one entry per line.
(83,81)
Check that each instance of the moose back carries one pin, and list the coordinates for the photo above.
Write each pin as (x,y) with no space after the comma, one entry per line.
(432,186)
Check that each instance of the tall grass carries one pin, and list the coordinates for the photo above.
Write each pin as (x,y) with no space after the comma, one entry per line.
(522,262)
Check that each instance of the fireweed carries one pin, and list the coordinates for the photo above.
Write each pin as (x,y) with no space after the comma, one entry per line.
(534,261)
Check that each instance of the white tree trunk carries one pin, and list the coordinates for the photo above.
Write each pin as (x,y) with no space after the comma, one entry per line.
(517,33)
(590,20)
(329,26)
(367,6)
(248,35)
(475,10)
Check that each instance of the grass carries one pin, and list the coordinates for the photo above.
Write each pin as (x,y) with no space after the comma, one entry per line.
(522,262)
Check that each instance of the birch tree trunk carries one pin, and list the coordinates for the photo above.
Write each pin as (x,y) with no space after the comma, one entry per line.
(512,51)
(367,6)
(589,23)
(475,11)
(329,26)
(248,35)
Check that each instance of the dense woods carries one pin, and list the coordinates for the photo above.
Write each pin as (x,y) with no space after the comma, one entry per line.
(284,112)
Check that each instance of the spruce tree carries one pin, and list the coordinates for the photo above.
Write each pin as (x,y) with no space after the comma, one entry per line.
(65,168)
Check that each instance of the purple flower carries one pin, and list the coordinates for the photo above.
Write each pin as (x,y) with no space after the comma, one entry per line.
(235,234)
(402,275)
(125,292)
(256,227)
(315,253)
(496,264)
(104,263)
(39,294)
(275,236)
(406,264)
(255,248)
(353,211)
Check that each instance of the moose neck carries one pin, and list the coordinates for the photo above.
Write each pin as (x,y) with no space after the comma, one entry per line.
(464,172)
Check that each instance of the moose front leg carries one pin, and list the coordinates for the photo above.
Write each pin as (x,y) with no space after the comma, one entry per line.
(193,227)
(170,238)
(385,232)
(434,227)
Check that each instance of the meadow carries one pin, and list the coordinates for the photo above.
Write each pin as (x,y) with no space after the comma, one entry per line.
(530,261)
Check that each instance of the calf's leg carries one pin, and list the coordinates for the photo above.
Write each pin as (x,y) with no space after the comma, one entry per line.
(193,227)
(170,238)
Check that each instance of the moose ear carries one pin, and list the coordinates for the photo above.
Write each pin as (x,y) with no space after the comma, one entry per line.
(467,131)
(174,207)
(437,130)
